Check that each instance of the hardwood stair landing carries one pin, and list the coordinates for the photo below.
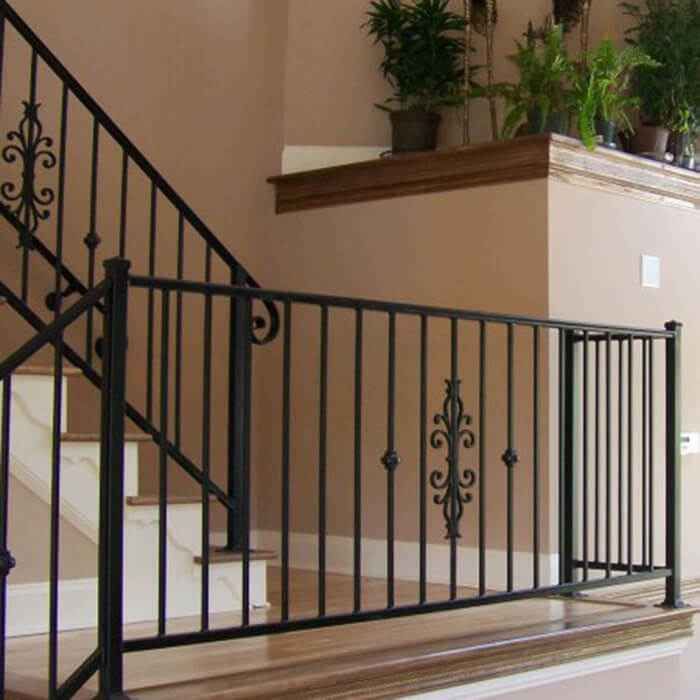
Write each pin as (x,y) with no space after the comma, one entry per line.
(384,659)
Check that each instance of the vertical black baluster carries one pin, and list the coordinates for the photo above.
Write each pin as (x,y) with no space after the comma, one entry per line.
(645,523)
(150,340)
(652,480)
(206,442)
(509,456)
(92,240)
(286,417)
(391,461)
(482,458)
(585,457)
(454,461)
(57,415)
(536,456)
(2,68)
(620,455)
(322,462)
(608,455)
(630,457)
(163,466)
(423,471)
(247,311)
(178,331)
(357,543)
(562,454)
(26,236)
(4,500)
(597,451)
(124,205)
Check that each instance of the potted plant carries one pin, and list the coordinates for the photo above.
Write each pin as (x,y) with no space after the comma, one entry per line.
(423,62)
(540,101)
(667,31)
(685,129)
(602,92)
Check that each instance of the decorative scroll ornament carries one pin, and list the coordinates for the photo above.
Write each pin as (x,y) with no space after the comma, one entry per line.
(453,485)
(271,325)
(29,146)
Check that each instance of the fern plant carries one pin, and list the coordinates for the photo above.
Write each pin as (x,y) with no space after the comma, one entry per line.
(602,88)
(543,89)
(424,47)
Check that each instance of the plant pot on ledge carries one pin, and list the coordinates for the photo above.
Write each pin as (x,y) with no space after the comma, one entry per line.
(651,141)
(607,132)
(414,130)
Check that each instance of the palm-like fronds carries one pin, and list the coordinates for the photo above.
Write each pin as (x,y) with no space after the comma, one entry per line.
(423,51)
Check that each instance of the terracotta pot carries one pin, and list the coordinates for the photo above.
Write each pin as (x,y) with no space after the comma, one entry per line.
(414,130)
(650,141)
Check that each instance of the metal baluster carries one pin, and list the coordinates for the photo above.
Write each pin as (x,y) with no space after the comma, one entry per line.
(150,340)
(92,240)
(585,457)
(322,462)
(178,331)
(630,459)
(286,418)
(652,478)
(124,204)
(206,442)
(391,461)
(510,458)
(423,471)
(57,418)
(6,561)
(608,455)
(26,238)
(357,537)
(620,449)
(483,510)
(567,482)
(247,311)
(163,466)
(536,456)
(645,377)
(597,452)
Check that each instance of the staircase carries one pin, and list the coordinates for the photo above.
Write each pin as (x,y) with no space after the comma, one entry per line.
(33,207)
(28,605)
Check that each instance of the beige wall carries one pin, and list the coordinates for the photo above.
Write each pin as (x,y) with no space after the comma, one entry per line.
(333,81)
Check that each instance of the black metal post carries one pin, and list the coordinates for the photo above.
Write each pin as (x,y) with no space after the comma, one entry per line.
(673,464)
(567,520)
(240,329)
(111,560)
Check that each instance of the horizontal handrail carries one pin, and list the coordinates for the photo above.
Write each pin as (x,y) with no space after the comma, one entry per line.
(270,295)
(121,138)
(51,332)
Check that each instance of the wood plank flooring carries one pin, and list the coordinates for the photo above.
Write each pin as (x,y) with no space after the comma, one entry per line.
(377,659)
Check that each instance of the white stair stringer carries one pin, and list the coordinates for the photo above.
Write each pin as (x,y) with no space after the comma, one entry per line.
(30,464)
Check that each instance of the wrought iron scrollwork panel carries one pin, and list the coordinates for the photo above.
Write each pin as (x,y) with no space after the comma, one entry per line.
(453,484)
(270,325)
(29,146)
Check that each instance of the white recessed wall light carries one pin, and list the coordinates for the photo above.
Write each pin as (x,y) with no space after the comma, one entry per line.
(651,271)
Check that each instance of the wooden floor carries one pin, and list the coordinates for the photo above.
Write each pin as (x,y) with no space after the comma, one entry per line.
(376,659)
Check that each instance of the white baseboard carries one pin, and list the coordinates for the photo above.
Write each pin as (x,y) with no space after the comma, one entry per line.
(339,557)
(28,606)
(299,158)
(558,674)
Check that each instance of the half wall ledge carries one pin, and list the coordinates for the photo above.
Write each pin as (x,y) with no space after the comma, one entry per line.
(522,159)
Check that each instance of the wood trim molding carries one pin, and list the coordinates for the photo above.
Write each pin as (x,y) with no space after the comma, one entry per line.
(528,158)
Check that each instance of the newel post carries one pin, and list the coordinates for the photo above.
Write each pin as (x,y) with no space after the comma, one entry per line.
(111,538)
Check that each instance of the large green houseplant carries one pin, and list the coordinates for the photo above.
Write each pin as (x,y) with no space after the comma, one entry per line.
(540,101)
(668,31)
(602,94)
(424,47)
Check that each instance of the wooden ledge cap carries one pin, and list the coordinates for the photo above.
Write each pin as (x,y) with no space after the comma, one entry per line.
(501,162)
